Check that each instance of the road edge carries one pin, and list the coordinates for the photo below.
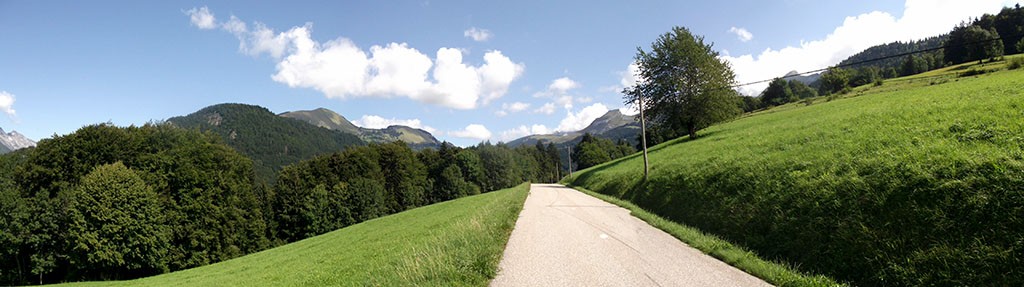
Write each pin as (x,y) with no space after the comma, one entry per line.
(773,272)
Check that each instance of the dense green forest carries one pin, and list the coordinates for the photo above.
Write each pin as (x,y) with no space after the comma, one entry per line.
(271,141)
(109,202)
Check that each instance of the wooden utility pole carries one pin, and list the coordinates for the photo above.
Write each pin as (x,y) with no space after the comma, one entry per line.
(643,135)
(570,161)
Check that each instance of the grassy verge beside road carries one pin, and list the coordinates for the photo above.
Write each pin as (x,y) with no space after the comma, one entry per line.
(452,243)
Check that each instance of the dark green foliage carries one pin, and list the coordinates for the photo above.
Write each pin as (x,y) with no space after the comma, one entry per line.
(271,141)
(834,81)
(1015,63)
(117,225)
(896,48)
(912,66)
(501,169)
(777,93)
(332,191)
(687,87)
(972,43)
(780,92)
(591,151)
(1009,23)
(307,189)
(750,104)
(205,195)
(405,177)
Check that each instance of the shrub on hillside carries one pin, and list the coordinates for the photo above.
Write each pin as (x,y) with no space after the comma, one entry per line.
(1015,63)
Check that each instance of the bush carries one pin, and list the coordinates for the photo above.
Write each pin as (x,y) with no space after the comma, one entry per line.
(1015,63)
(973,72)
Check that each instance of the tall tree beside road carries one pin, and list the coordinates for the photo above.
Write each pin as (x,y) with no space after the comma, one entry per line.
(685,86)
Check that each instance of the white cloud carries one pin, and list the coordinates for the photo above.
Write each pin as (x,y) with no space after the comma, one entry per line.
(473,131)
(921,19)
(509,108)
(627,78)
(378,122)
(7,103)
(523,131)
(477,34)
(579,120)
(742,34)
(629,110)
(341,69)
(546,109)
(558,90)
(563,85)
(202,18)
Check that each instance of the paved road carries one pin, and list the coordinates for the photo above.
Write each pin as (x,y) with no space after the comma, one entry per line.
(566,238)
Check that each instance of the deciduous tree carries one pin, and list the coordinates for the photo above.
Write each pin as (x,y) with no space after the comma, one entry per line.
(685,86)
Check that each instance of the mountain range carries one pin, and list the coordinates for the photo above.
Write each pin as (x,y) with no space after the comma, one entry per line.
(612,125)
(806,79)
(271,141)
(416,138)
(11,141)
(274,141)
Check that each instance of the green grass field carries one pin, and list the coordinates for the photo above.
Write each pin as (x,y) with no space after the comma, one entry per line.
(453,243)
(919,181)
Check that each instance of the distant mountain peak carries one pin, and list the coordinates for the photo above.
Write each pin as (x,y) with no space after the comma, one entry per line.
(610,120)
(322,117)
(10,141)
(613,125)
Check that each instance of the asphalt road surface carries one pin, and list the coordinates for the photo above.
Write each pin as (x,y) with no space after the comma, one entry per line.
(566,238)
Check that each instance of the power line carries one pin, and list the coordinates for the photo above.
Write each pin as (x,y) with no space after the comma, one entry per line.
(877,59)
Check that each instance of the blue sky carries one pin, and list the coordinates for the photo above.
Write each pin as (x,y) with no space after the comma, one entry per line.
(465,70)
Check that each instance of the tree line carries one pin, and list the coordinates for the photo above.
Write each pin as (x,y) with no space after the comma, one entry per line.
(108,202)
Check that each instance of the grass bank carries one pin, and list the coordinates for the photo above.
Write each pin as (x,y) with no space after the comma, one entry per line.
(916,182)
(776,273)
(453,243)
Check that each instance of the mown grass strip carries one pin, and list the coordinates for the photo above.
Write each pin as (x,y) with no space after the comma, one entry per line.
(776,273)
(453,243)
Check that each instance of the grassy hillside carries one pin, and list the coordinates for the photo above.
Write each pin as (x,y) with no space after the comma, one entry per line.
(453,243)
(919,181)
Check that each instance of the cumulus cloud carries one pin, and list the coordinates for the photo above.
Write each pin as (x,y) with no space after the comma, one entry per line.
(629,110)
(340,69)
(510,108)
(523,131)
(627,78)
(477,34)
(742,34)
(546,109)
(378,122)
(921,19)
(202,18)
(473,131)
(563,85)
(7,103)
(558,91)
(579,120)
